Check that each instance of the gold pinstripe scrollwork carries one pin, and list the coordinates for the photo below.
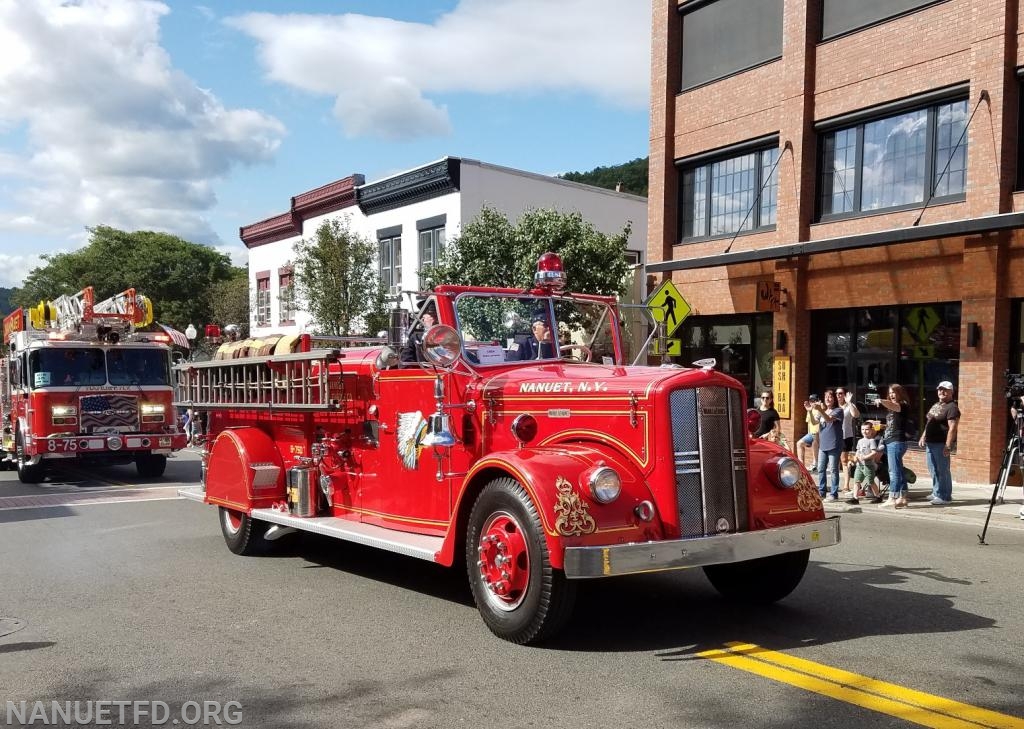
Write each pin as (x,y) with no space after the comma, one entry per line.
(807,497)
(573,518)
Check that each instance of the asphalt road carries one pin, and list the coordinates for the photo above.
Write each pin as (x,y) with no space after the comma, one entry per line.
(138,599)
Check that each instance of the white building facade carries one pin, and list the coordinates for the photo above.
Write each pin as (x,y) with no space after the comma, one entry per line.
(411,216)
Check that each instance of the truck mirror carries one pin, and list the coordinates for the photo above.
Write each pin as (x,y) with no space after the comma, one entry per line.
(442,346)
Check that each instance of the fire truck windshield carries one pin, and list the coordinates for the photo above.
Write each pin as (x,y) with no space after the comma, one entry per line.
(66,367)
(505,328)
(84,366)
(137,367)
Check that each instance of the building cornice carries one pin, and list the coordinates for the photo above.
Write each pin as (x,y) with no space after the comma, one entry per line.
(270,230)
(328,198)
(433,180)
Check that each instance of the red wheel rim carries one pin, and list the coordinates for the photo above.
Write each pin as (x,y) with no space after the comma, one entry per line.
(232,521)
(503,558)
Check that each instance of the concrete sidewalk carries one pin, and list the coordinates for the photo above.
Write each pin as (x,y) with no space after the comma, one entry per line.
(970,505)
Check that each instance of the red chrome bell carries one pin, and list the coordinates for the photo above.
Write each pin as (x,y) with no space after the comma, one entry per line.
(549,272)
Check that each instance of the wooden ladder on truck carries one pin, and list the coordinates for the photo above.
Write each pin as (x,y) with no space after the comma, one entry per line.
(286,382)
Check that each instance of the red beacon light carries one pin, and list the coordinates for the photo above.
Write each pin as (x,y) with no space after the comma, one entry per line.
(549,272)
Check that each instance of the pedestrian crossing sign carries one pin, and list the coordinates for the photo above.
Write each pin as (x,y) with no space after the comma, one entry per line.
(673,348)
(668,307)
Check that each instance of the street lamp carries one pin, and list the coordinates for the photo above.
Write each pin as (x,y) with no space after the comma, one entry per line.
(190,335)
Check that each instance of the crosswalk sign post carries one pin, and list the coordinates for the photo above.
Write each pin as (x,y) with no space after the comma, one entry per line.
(668,307)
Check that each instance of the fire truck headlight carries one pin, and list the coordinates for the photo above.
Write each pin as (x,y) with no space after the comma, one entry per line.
(63,411)
(151,408)
(789,473)
(605,484)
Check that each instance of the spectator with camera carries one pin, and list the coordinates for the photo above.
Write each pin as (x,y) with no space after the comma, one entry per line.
(895,438)
(830,442)
(938,439)
(810,440)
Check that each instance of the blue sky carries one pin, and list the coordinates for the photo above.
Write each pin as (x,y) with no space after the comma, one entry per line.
(197,118)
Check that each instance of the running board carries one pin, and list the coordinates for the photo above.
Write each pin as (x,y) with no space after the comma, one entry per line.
(420,546)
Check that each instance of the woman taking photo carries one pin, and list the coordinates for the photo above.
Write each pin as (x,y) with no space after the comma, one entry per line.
(897,407)
(830,442)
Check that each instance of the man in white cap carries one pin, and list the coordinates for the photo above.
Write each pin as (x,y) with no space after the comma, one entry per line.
(938,439)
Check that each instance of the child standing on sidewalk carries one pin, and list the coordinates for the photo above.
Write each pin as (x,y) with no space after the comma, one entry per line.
(866,456)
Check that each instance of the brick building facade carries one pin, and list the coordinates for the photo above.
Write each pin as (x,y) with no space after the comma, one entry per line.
(864,158)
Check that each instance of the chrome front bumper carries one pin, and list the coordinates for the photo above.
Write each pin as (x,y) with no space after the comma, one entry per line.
(628,559)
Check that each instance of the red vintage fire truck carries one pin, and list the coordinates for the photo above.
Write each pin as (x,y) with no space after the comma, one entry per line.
(511,436)
(81,384)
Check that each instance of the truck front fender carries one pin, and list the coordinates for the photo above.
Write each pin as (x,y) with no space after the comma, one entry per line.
(245,470)
(555,477)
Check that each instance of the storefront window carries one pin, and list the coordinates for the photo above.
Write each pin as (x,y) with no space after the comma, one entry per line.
(740,344)
(862,352)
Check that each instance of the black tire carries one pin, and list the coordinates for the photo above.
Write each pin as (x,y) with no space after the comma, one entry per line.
(759,581)
(536,600)
(28,473)
(243,534)
(150,465)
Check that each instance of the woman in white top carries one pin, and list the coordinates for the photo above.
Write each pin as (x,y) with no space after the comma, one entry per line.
(850,412)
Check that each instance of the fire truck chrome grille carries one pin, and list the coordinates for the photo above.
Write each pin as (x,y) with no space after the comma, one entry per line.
(709,447)
(99,413)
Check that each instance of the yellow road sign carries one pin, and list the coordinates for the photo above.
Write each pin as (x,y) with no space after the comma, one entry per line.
(921,321)
(673,347)
(668,307)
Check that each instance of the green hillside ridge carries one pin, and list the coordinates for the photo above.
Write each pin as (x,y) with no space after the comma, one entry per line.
(631,175)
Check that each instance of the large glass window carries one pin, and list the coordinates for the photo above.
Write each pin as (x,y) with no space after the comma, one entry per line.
(66,367)
(741,345)
(725,196)
(726,36)
(842,16)
(137,367)
(865,350)
(895,161)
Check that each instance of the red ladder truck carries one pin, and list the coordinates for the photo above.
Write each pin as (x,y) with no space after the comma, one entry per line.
(521,445)
(80,383)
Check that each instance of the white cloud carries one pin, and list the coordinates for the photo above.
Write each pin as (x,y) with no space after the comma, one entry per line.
(114,134)
(383,72)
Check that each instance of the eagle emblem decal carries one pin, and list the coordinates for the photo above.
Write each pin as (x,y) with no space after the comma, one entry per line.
(411,429)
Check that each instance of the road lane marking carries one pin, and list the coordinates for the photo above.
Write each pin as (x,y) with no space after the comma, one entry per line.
(914,706)
(88,498)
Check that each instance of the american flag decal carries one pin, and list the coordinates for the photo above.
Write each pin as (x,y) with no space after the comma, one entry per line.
(109,411)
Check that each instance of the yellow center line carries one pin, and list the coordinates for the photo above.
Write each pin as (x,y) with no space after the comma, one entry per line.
(908,704)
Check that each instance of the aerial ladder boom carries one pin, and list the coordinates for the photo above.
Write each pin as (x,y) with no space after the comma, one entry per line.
(82,313)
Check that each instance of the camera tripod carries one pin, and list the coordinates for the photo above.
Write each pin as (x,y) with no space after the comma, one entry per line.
(1012,456)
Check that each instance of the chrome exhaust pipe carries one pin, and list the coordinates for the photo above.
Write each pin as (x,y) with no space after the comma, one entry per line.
(276,531)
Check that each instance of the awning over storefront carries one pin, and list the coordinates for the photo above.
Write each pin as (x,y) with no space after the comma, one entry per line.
(910,234)
(177,337)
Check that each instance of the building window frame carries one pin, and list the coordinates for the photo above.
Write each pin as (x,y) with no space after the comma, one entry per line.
(390,262)
(857,126)
(286,296)
(431,244)
(689,9)
(878,20)
(263,299)
(697,176)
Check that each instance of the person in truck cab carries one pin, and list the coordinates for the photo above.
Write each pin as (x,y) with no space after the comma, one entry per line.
(539,345)
(412,351)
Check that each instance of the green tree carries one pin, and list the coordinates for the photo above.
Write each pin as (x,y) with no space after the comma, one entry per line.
(229,301)
(491,251)
(336,279)
(174,273)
